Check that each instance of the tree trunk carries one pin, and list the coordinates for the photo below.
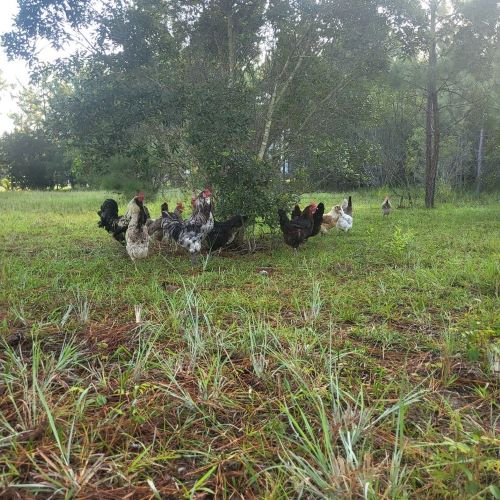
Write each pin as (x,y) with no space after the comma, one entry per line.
(267,124)
(479,161)
(276,96)
(432,118)
(230,45)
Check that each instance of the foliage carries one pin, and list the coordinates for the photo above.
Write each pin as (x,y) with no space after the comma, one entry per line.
(33,161)
(250,187)
(334,90)
(124,175)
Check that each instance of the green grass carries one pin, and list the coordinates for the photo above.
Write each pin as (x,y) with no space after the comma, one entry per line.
(363,367)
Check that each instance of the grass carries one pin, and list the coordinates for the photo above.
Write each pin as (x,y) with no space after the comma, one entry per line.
(366,366)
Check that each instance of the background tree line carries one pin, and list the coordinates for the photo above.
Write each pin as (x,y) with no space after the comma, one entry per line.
(344,94)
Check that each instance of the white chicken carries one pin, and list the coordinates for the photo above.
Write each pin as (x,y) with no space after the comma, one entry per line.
(344,221)
(347,206)
(136,237)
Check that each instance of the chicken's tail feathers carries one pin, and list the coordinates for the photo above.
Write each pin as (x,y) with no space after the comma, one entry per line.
(110,207)
(282,216)
(165,214)
(349,202)
(296,212)
(107,212)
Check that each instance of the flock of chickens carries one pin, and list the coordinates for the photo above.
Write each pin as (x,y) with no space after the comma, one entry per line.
(136,229)
(313,220)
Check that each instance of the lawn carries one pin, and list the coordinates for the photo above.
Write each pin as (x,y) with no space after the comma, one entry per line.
(365,366)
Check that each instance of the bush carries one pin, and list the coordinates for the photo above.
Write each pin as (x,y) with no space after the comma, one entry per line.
(244,185)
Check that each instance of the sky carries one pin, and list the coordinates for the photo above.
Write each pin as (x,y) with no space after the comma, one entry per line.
(16,72)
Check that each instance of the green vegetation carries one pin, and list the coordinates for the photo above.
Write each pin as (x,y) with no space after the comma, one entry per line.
(364,366)
(231,93)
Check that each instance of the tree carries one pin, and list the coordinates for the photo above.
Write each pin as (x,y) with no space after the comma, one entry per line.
(432,112)
(452,29)
(32,161)
(188,93)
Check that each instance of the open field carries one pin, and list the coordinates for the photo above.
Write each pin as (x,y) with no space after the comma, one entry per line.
(363,367)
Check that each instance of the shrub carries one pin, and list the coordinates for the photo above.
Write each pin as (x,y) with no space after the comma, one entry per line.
(242,184)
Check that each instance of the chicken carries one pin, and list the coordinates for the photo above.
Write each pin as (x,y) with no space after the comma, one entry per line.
(344,220)
(224,233)
(155,230)
(318,219)
(136,236)
(191,233)
(330,219)
(296,212)
(386,206)
(297,230)
(115,224)
(347,206)
(110,220)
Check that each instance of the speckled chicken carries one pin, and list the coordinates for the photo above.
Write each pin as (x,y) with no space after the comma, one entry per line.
(136,236)
(344,221)
(155,230)
(116,224)
(191,233)
(347,206)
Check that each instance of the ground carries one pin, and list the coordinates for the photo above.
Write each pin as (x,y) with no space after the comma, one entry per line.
(366,365)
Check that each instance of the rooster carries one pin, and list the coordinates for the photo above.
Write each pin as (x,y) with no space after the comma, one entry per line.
(136,236)
(297,230)
(386,206)
(110,220)
(191,233)
(115,224)
(347,206)
(224,233)
(344,220)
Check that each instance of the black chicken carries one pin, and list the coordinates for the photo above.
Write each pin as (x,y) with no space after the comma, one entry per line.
(223,233)
(296,212)
(317,219)
(297,230)
(110,220)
